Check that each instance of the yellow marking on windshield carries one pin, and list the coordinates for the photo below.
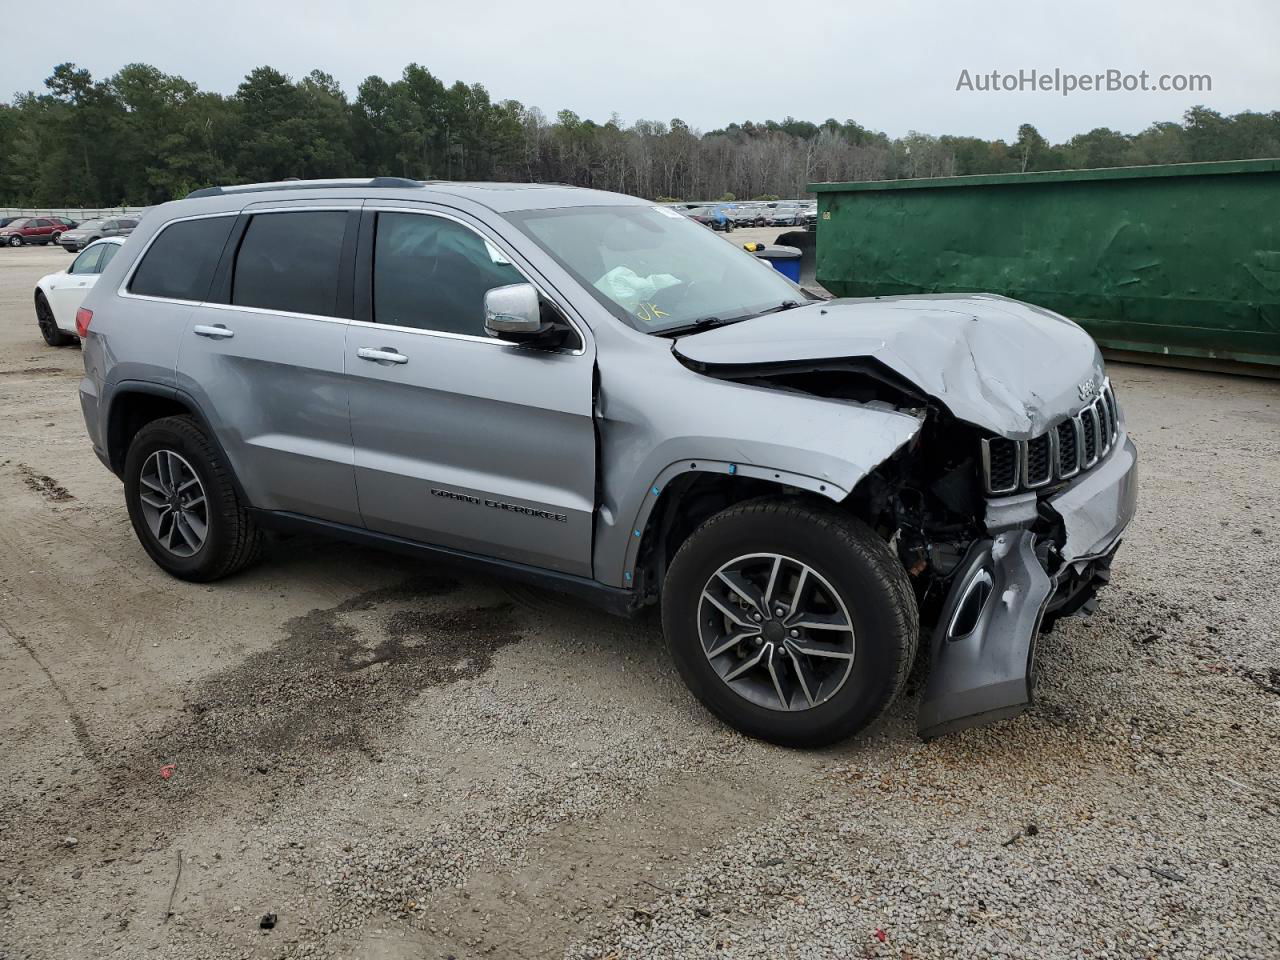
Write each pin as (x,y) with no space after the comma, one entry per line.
(649,312)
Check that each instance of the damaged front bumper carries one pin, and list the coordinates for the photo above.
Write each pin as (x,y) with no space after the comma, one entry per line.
(1014,582)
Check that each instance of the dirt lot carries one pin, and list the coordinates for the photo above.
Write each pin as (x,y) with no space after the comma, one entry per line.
(399,761)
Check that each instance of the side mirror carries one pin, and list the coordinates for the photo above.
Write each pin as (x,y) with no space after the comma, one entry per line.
(515,313)
(512,312)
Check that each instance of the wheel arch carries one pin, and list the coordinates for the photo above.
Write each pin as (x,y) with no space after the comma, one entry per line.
(134,404)
(687,493)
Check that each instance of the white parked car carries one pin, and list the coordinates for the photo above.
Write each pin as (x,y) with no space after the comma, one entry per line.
(59,295)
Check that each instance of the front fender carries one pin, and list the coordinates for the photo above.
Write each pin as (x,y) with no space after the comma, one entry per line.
(656,424)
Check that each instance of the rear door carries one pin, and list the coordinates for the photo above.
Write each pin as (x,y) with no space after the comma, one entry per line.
(264,357)
(462,440)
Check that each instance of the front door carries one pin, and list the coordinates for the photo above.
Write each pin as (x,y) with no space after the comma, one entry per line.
(68,290)
(264,354)
(462,440)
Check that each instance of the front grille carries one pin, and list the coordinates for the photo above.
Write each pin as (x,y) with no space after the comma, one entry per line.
(1089,427)
(1002,465)
(1068,449)
(1039,467)
(1061,452)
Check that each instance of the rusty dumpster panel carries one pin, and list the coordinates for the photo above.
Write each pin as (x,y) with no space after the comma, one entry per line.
(1181,260)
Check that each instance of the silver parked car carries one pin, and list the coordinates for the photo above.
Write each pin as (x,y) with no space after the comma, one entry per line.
(785,215)
(79,237)
(592,393)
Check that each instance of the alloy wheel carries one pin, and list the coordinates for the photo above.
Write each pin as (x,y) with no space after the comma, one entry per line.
(776,632)
(174,503)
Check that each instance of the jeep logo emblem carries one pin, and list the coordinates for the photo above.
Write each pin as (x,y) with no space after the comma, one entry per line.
(1087,389)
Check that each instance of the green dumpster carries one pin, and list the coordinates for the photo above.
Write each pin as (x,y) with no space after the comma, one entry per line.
(1180,261)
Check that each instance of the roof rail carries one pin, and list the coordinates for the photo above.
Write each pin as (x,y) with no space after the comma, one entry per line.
(398,183)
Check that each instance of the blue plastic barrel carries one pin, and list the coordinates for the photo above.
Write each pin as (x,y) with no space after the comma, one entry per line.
(786,260)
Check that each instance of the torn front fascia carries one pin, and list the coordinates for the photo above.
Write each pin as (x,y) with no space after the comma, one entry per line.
(1013,583)
(984,644)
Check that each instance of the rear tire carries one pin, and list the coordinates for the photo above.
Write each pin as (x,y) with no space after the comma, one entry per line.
(228,538)
(53,336)
(827,683)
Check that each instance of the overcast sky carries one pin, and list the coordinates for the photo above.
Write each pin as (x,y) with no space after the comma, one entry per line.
(890,66)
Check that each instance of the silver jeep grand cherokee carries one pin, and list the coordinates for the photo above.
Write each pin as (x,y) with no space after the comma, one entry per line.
(595,394)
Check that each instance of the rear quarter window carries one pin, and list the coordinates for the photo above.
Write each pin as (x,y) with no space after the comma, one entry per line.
(180,262)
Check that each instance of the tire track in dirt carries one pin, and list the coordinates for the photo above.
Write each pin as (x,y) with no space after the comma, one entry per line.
(79,728)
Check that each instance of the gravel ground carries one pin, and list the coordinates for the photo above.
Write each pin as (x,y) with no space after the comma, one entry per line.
(397,760)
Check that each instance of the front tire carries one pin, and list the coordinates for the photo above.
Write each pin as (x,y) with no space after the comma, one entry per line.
(15,241)
(790,621)
(183,504)
(49,329)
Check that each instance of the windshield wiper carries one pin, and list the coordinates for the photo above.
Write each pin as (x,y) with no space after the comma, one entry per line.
(702,323)
(784,305)
(706,323)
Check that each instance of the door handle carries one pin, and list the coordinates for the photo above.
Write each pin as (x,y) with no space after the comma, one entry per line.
(381,355)
(214,332)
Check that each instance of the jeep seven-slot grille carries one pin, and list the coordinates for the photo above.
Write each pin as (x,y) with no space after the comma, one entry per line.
(1068,447)
(1039,466)
(1089,428)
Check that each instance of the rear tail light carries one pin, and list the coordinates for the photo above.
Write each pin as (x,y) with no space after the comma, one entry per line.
(83,319)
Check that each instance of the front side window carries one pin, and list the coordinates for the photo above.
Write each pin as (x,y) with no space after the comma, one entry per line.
(654,268)
(179,265)
(88,262)
(432,273)
(289,262)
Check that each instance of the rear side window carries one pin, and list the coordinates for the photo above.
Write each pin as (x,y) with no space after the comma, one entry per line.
(179,265)
(289,262)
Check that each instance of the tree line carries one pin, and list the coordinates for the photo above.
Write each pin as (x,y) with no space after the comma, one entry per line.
(143,136)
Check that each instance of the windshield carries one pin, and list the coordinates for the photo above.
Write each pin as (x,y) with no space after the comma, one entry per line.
(654,268)
(91,225)
(15,224)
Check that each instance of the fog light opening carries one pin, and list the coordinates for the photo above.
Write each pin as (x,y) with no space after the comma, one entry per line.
(972,602)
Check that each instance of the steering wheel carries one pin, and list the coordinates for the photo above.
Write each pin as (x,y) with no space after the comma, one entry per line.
(670,298)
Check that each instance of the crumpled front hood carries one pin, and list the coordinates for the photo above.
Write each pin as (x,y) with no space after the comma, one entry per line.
(998,363)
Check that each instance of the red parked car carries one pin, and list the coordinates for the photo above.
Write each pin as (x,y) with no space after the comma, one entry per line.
(34,230)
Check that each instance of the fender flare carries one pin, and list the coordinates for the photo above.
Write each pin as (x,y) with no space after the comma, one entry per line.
(123,388)
(679,468)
